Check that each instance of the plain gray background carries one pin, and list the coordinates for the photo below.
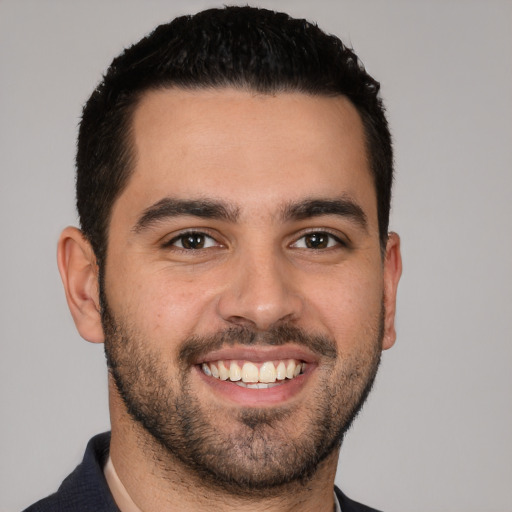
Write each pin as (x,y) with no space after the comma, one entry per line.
(436,434)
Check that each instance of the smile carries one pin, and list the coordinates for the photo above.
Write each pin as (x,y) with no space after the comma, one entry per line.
(254,375)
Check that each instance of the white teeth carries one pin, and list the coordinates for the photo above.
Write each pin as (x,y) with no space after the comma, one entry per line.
(249,372)
(223,371)
(281,371)
(290,369)
(206,370)
(268,372)
(235,373)
(251,376)
(259,385)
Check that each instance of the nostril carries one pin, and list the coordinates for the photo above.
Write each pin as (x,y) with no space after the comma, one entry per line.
(242,321)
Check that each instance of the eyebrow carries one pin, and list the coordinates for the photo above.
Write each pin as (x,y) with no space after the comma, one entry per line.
(212,209)
(342,206)
(169,208)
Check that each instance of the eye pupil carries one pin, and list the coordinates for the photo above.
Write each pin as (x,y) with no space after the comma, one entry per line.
(193,241)
(317,241)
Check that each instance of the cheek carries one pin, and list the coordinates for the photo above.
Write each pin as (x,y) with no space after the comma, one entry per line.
(349,305)
(166,307)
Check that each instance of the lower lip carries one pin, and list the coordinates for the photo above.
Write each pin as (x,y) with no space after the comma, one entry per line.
(230,391)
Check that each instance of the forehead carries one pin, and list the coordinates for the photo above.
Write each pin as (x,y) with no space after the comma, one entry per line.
(247,148)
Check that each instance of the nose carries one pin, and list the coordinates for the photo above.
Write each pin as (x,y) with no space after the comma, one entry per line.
(260,293)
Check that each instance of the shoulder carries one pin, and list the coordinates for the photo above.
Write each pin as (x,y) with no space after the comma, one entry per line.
(85,489)
(348,505)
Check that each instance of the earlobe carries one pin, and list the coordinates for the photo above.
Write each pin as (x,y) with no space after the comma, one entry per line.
(79,274)
(392,273)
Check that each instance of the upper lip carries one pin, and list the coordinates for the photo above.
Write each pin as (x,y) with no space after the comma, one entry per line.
(260,354)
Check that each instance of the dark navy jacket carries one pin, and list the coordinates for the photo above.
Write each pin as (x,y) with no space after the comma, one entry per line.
(86,490)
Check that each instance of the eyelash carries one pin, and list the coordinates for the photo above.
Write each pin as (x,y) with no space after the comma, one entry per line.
(338,242)
(182,236)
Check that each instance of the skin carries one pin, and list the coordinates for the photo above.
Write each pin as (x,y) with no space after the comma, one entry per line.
(256,154)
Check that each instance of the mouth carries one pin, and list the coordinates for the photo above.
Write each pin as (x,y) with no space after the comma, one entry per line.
(253,374)
(257,376)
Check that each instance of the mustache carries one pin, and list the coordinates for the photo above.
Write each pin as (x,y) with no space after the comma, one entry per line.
(198,346)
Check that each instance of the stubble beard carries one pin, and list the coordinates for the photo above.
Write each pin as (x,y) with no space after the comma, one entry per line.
(256,455)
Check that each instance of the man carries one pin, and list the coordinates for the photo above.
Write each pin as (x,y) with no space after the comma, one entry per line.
(234,174)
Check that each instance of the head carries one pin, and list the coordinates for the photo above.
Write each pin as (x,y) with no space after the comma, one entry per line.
(234,175)
(241,47)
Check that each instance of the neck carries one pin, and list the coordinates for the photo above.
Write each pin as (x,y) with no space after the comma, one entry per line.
(156,481)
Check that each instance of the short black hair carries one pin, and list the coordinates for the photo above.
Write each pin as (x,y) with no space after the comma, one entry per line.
(243,47)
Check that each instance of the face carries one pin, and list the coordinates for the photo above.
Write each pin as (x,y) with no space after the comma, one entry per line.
(244,287)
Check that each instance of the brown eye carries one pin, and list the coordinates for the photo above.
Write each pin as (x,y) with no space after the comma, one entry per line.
(192,241)
(317,240)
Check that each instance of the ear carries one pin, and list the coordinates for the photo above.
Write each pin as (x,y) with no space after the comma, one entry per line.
(79,273)
(392,273)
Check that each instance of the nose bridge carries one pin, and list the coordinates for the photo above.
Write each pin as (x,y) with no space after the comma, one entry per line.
(260,290)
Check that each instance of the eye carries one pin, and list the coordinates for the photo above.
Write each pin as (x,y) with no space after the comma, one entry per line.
(317,240)
(192,241)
